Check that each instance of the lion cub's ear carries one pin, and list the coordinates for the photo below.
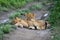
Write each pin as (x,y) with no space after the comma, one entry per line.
(17,18)
(33,14)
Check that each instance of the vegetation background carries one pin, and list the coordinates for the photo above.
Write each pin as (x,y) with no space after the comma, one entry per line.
(54,18)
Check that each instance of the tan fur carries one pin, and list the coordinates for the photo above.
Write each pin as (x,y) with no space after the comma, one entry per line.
(30,16)
(19,21)
(30,22)
(40,24)
(19,25)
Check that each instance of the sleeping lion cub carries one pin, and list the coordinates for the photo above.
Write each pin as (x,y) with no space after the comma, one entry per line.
(20,22)
(30,22)
(38,24)
(23,23)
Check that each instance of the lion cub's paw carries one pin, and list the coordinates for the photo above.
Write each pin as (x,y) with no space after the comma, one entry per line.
(38,28)
(19,25)
(31,27)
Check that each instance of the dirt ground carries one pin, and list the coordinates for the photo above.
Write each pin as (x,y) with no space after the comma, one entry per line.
(26,34)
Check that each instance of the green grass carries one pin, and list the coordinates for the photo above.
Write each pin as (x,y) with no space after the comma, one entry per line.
(18,13)
(54,19)
(6,28)
(1,35)
(3,9)
(12,4)
(3,29)
(38,6)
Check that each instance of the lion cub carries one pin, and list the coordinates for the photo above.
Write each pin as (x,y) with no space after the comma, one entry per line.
(30,22)
(38,24)
(20,22)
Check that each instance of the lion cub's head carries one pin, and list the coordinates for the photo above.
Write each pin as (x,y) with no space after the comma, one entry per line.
(30,16)
(16,20)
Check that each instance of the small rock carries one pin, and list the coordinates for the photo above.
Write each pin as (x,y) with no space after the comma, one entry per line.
(52,37)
